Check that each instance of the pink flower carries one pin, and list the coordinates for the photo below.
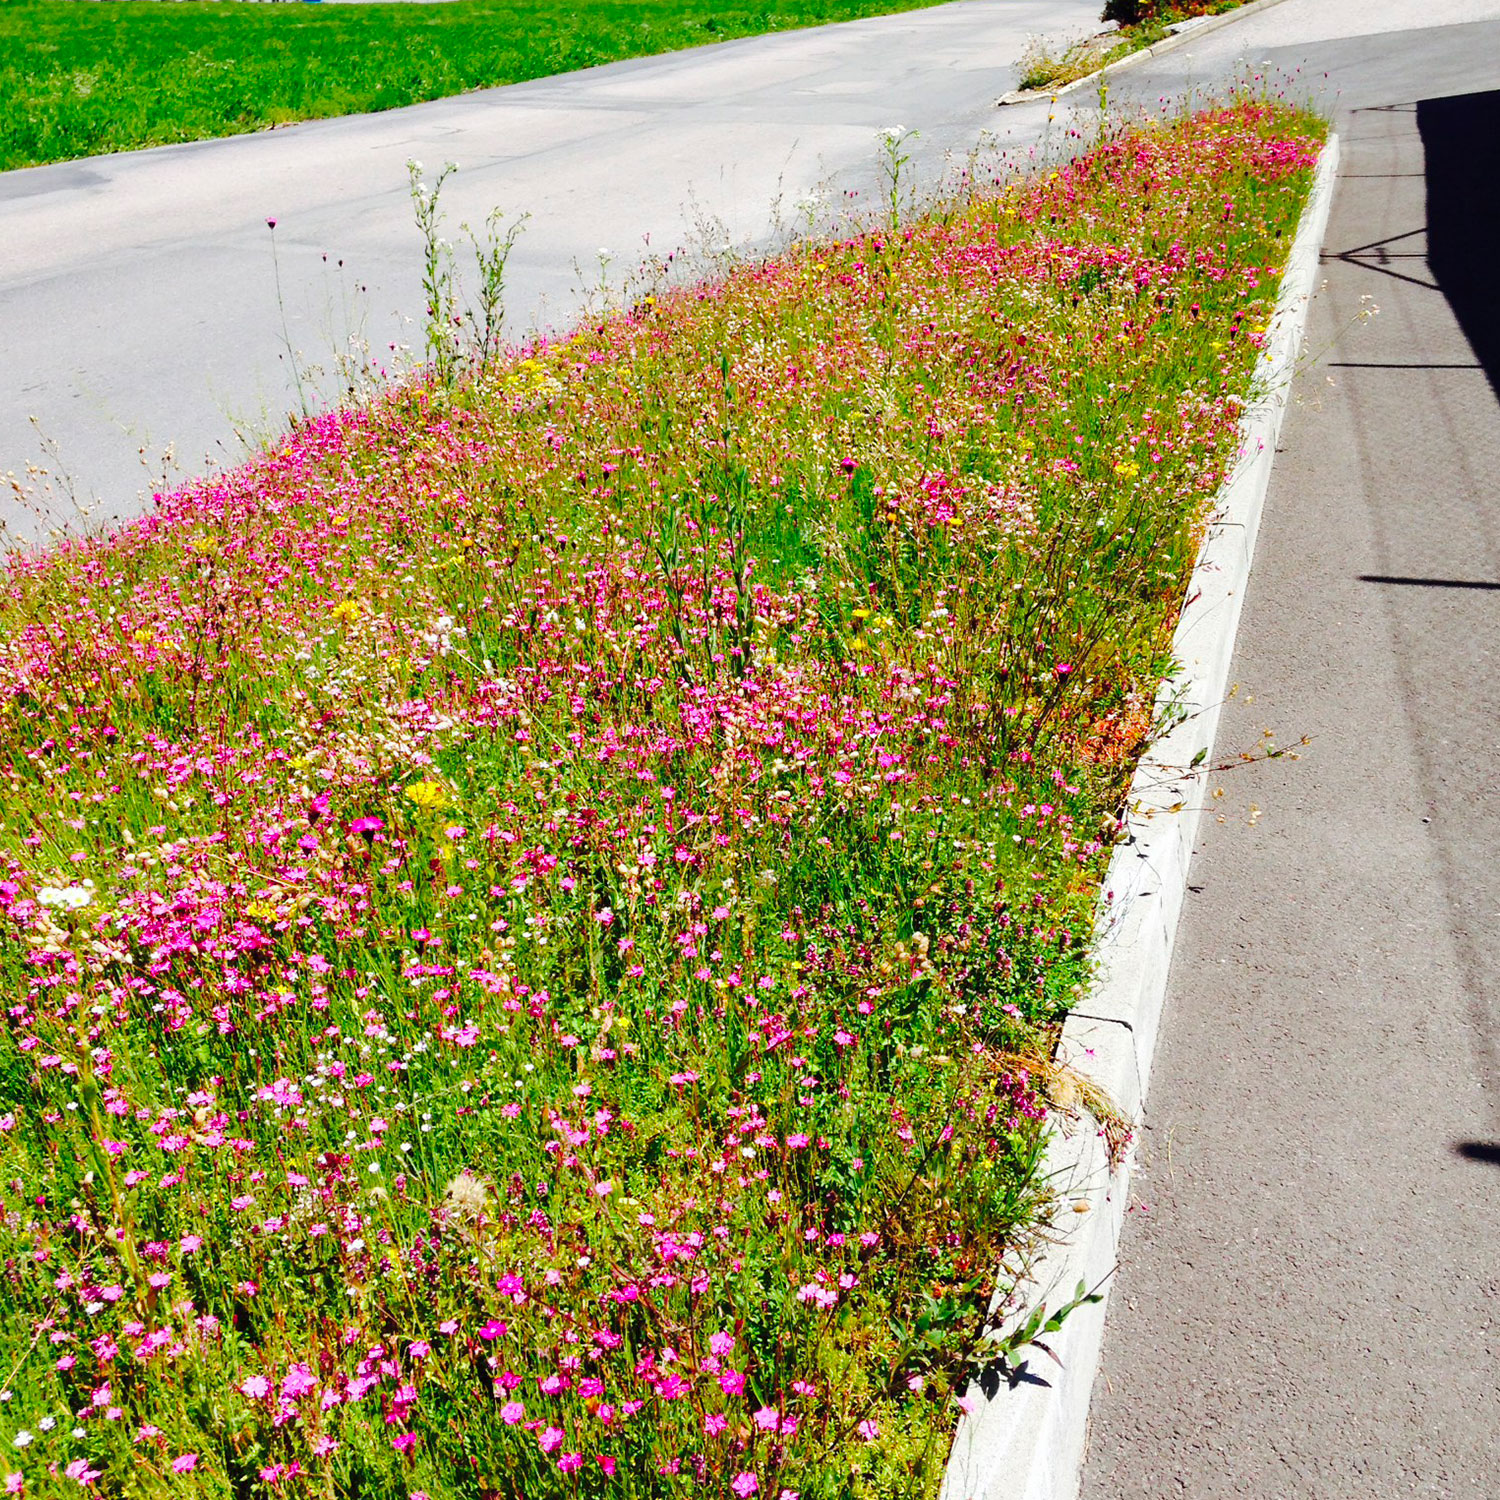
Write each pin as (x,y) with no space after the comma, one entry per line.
(731,1382)
(494,1329)
(869,1431)
(405,1443)
(184,1463)
(14,1483)
(720,1344)
(298,1382)
(512,1412)
(768,1419)
(551,1439)
(607,1464)
(744,1483)
(567,1462)
(715,1423)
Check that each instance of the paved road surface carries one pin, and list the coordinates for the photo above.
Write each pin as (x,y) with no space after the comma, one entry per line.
(1309,1301)
(137,305)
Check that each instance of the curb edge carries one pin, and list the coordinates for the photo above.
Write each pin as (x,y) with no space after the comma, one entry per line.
(1167,44)
(1028,1443)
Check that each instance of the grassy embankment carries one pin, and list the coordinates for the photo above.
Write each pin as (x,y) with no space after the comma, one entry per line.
(1142,23)
(77,79)
(533,917)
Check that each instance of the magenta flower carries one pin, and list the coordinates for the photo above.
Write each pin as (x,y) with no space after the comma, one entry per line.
(184,1463)
(744,1483)
(551,1439)
(494,1329)
(257,1388)
(513,1412)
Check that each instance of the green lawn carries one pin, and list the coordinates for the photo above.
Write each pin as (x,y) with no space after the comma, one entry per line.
(81,78)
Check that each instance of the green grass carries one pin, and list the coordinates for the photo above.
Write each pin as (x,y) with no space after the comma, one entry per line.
(534,917)
(78,79)
(1143,23)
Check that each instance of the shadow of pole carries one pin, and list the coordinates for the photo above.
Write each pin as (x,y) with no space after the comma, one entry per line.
(1485,1151)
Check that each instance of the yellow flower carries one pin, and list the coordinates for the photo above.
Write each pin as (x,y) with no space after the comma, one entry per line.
(347,609)
(429,796)
(1127,469)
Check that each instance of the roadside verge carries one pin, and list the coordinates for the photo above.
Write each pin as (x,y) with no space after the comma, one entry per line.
(1026,1442)
(1188,31)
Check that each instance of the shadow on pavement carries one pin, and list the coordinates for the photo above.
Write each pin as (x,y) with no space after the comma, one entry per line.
(1461,139)
(1485,1151)
(1428,583)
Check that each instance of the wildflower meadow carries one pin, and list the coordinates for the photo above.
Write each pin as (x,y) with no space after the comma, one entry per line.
(534,916)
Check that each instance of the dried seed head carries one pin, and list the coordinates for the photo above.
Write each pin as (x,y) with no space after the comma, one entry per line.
(467,1195)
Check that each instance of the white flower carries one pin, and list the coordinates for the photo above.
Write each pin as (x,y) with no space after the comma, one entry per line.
(21,1439)
(70,896)
(891,133)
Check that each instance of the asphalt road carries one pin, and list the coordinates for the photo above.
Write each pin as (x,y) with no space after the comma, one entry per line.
(141,333)
(1308,1303)
(138,308)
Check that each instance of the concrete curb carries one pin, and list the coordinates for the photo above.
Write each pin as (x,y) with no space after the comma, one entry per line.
(1190,32)
(1027,1443)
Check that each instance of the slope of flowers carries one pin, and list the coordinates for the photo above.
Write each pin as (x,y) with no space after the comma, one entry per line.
(531,917)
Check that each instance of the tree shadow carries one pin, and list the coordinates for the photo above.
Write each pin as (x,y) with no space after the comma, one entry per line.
(1461,139)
